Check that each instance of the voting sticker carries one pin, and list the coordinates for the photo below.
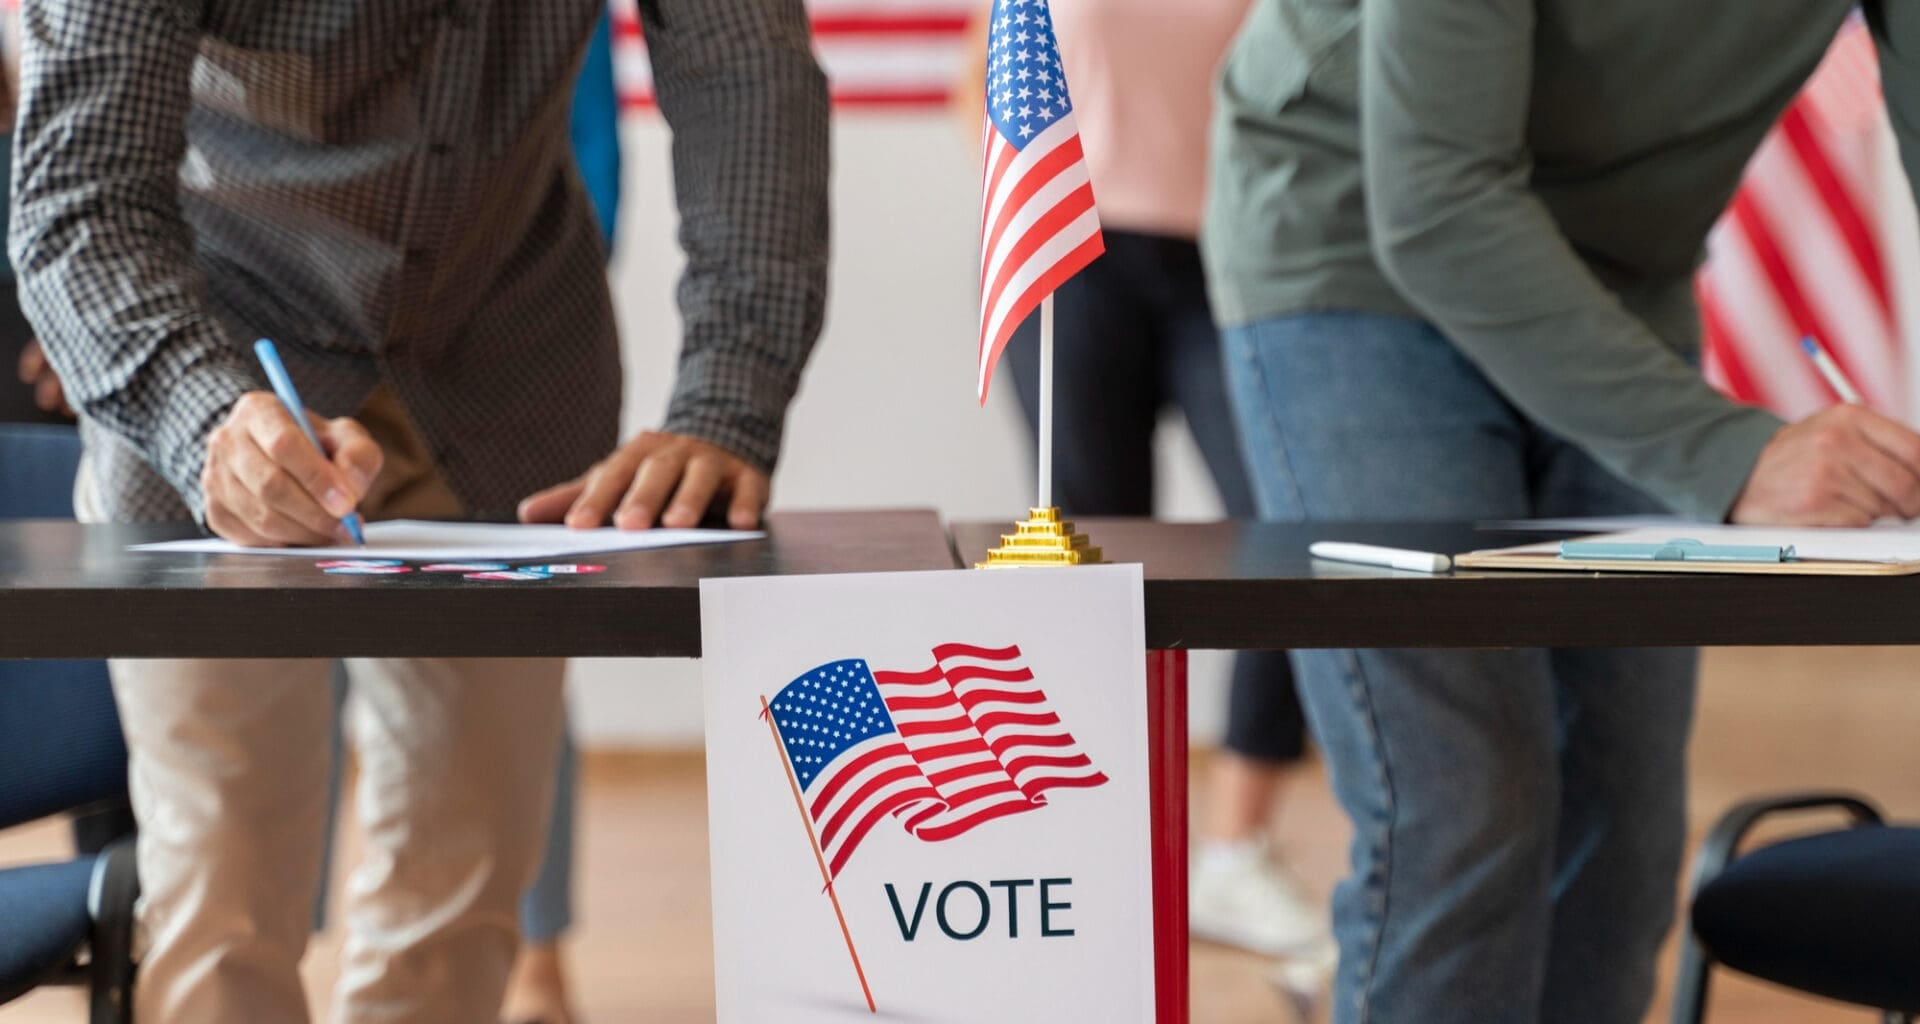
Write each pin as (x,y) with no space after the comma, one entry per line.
(367,570)
(565,569)
(359,563)
(464,567)
(511,574)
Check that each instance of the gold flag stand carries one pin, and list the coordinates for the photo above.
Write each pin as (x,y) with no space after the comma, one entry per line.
(1043,538)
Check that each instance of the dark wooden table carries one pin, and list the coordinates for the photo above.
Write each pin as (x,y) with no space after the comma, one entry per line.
(71,591)
(1253,585)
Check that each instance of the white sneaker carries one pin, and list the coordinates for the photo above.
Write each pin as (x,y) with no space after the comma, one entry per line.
(1241,895)
(1306,978)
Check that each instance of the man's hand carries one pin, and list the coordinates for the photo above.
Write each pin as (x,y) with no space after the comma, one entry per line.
(34,369)
(1846,466)
(267,486)
(656,476)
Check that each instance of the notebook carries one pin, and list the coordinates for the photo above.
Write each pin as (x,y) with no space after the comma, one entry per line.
(1890,550)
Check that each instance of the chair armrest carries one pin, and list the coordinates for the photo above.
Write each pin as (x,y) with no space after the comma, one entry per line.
(1724,841)
(110,901)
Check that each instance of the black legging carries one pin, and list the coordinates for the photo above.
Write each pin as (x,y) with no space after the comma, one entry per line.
(1132,335)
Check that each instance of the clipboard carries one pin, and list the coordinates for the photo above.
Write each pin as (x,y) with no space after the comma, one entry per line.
(1812,552)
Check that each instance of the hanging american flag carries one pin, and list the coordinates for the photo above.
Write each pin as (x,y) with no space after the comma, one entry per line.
(1799,251)
(1037,221)
(876,53)
(943,750)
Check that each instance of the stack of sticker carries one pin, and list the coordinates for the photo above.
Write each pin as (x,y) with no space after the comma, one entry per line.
(363,567)
(471,570)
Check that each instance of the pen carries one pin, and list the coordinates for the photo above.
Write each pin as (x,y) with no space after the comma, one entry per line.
(1678,550)
(1830,371)
(1391,558)
(283,387)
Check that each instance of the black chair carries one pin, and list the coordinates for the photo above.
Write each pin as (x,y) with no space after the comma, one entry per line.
(1835,914)
(61,752)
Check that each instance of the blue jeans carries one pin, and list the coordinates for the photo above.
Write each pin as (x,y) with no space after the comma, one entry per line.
(1134,337)
(1518,815)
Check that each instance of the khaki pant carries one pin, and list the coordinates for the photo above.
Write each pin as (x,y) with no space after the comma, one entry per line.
(229,765)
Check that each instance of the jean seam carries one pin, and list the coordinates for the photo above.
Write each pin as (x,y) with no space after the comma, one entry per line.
(1259,364)
(1380,835)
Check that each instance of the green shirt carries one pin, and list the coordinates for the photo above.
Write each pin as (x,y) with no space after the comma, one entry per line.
(1534,177)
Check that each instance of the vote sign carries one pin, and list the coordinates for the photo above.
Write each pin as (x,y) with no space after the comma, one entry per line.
(928,797)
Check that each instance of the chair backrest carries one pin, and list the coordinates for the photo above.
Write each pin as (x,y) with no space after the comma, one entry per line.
(37,465)
(60,743)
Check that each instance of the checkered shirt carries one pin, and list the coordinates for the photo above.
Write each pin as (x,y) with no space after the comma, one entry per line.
(385,188)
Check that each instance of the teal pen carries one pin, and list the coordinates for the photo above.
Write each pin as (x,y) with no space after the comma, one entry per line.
(283,387)
(1678,550)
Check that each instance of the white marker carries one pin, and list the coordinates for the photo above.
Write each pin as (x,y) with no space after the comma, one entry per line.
(1391,558)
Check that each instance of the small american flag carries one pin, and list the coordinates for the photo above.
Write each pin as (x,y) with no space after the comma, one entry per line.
(942,750)
(1037,222)
(1802,250)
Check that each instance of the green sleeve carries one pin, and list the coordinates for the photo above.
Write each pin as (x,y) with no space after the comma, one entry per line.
(1445,92)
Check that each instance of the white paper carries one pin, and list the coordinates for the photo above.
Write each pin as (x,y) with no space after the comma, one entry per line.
(416,540)
(780,957)
(1893,542)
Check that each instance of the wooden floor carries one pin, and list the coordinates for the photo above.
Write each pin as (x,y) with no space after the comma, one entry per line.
(1769,720)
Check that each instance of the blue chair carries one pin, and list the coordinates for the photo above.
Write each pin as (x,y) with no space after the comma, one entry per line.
(1835,914)
(61,752)
(37,466)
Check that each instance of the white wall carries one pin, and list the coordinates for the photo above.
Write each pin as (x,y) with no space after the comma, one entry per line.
(886,416)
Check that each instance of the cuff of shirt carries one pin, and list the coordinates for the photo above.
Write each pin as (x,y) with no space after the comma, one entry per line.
(196,405)
(734,402)
(1727,456)
(745,435)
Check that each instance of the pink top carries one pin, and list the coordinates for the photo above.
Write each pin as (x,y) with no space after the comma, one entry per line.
(1141,76)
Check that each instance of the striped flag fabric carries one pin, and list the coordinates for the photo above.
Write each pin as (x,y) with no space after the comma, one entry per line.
(1800,251)
(1038,226)
(983,732)
(942,750)
(876,53)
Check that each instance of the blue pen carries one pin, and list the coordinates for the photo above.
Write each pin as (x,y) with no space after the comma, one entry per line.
(1830,371)
(283,387)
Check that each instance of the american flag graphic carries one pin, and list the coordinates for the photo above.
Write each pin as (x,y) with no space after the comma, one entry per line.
(1037,222)
(877,53)
(1800,252)
(942,751)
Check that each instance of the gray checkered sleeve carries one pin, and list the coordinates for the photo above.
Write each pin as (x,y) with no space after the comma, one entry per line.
(105,259)
(747,102)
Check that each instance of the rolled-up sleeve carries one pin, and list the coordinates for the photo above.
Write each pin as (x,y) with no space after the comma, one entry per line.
(747,102)
(1445,90)
(105,259)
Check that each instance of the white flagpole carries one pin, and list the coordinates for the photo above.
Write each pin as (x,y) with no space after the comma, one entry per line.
(1046,402)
